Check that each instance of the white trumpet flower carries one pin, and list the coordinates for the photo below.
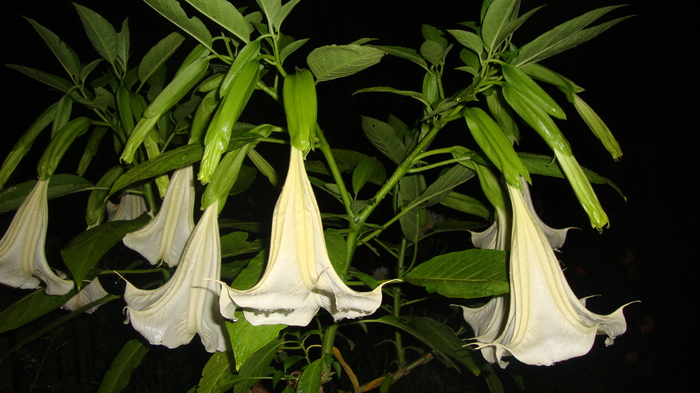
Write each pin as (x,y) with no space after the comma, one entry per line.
(22,249)
(546,323)
(90,293)
(130,206)
(187,304)
(299,278)
(165,236)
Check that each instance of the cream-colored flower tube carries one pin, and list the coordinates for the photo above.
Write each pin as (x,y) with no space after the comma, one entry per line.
(299,278)
(187,304)
(22,249)
(165,236)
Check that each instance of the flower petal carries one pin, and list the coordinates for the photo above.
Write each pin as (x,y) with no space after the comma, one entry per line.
(130,206)
(185,305)
(165,236)
(22,249)
(90,293)
(299,278)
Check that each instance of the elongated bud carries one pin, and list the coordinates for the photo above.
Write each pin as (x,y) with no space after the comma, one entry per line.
(300,106)
(95,211)
(521,82)
(59,144)
(232,105)
(246,55)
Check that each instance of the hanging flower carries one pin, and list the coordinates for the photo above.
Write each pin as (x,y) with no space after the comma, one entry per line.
(299,278)
(22,249)
(130,206)
(185,305)
(546,323)
(90,293)
(165,236)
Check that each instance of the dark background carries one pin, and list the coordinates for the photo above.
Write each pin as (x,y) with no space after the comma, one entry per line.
(639,79)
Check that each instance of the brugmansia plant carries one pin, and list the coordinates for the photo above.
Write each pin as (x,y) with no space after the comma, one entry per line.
(252,289)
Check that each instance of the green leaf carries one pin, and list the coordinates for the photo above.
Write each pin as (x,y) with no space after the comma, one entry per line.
(59,185)
(172,11)
(247,339)
(385,89)
(337,61)
(466,204)
(126,361)
(404,53)
(252,273)
(410,187)
(565,36)
(31,307)
(100,32)
(384,138)
(497,17)
(225,15)
(124,44)
(236,243)
(469,40)
(158,55)
(216,373)
(170,160)
(337,249)
(65,55)
(465,274)
(447,341)
(545,165)
(85,250)
(433,52)
(51,80)
(257,366)
(369,169)
(310,381)
(441,187)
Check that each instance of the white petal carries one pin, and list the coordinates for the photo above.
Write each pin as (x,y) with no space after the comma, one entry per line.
(299,277)
(165,236)
(90,293)
(130,206)
(487,322)
(22,253)
(546,322)
(187,304)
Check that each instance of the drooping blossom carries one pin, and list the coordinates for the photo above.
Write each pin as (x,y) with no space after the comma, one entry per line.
(22,249)
(130,206)
(299,278)
(187,304)
(165,236)
(91,292)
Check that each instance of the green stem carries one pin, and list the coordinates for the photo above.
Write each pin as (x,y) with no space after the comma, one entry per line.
(327,349)
(398,340)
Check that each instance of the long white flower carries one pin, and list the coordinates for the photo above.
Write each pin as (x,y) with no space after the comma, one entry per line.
(546,323)
(130,206)
(187,304)
(90,293)
(165,236)
(299,278)
(22,249)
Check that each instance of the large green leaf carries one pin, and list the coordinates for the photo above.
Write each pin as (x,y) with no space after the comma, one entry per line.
(31,307)
(310,381)
(496,20)
(384,138)
(126,361)
(447,341)
(565,36)
(465,274)
(404,53)
(226,15)
(405,93)
(100,32)
(65,55)
(217,374)
(466,204)
(257,366)
(338,61)
(158,55)
(60,184)
(236,243)
(441,187)
(369,169)
(247,339)
(337,249)
(85,250)
(172,11)
(44,77)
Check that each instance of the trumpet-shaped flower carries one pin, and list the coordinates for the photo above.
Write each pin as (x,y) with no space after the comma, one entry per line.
(299,278)
(90,293)
(165,236)
(22,254)
(130,206)
(546,323)
(185,305)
